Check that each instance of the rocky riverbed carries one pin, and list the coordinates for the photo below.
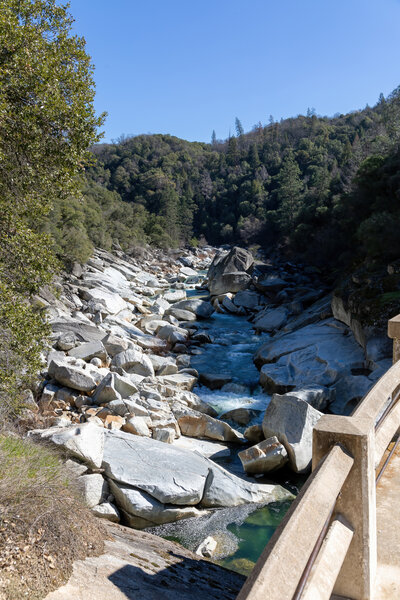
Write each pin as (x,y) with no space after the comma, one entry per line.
(150,382)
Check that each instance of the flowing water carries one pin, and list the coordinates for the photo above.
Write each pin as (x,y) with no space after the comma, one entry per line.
(241,532)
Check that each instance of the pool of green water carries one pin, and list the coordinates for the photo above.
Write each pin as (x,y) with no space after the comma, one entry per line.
(253,535)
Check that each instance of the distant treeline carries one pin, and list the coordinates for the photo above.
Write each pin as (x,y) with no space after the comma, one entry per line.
(323,189)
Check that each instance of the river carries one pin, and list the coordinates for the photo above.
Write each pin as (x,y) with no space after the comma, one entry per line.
(241,532)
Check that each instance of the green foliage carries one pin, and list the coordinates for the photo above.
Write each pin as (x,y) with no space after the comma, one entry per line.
(47,124)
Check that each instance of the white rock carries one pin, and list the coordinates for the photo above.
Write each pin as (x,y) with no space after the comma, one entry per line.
(85,441)
(93,488)
(266,456)
(107,511)
(292,420)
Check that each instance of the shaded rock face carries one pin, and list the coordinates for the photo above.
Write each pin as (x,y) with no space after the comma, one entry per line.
(230,272)
(141,566)
(292,420)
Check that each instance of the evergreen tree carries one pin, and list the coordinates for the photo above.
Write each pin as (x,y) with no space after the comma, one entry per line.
(47,124)
(289,192)
(213,138)
(239,128)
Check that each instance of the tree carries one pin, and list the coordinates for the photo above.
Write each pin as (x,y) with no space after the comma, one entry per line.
(213,138)
(239,128)
(289,193)
(47,124)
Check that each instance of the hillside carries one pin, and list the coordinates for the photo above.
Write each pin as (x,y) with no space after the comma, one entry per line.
(299,184)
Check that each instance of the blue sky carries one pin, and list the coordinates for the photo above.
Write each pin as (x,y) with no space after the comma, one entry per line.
(186,67)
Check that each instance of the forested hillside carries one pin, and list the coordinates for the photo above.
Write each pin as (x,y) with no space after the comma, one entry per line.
(320,188)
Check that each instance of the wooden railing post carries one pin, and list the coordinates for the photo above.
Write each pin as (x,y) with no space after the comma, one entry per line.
(357,500)
(394,334)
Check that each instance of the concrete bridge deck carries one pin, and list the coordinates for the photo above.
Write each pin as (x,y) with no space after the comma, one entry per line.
(388,531)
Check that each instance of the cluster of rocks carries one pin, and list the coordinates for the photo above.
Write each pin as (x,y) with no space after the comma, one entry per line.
(311,361)
(117,390)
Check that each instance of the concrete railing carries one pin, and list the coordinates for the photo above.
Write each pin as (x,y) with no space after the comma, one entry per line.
(327,542)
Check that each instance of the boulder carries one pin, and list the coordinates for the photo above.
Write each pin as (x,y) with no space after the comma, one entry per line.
(214,381)
(93,488)
(318,397)
(142,510)
(200,425)
(247,299)
(271,320)
(132,361)
(229,282)
(85,441)
(229,272)
(73,377)
(254,434)
(173,334)
(201,308)
(89,350)
(270,284)
(110,303)
(113,387)
(137,426)
(175,296)
(241,415)
(178,476)
(268,455)
(292,420)
(182,381)
(84,331)
(107,511)
(237,259)
(181,314)
(114,344)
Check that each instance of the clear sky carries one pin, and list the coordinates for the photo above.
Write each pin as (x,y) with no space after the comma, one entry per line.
(186,67)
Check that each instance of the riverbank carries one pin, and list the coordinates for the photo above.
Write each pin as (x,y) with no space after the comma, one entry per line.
(154,394)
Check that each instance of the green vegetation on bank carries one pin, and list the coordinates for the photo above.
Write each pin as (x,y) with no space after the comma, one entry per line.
(47,124)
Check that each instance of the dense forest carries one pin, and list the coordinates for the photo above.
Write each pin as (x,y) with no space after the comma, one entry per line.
(321,189)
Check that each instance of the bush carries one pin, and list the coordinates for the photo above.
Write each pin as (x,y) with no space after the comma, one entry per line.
(44,526)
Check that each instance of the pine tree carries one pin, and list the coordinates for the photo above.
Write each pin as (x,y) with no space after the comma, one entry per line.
(239,128)
(289,193)
(213,138)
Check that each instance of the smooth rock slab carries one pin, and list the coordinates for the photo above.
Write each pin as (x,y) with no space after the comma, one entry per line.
(176,476)
(139,566)
(89,350)
(138,506)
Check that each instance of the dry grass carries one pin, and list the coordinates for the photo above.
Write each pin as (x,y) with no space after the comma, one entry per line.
(44,526)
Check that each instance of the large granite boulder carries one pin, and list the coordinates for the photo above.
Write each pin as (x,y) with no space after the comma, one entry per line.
(292,420)
(71,376)
(135,362)
(177,476)
(230,271)
(142,510)
(201,308)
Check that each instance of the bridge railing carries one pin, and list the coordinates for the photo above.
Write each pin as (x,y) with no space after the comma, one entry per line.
(327,541)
